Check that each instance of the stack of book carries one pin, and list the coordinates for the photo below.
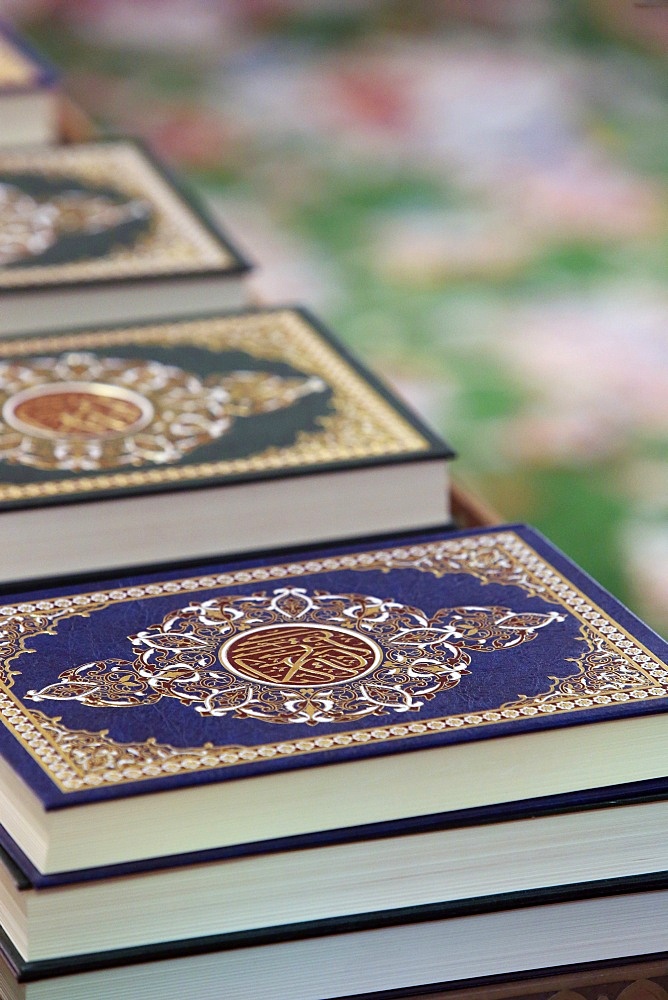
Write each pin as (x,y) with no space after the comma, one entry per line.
(272,725)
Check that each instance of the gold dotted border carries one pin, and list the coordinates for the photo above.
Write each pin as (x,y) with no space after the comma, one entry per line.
(513,562)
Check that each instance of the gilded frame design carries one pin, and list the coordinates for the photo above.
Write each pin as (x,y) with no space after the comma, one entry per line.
(179,241)
(362,424)
(613,668)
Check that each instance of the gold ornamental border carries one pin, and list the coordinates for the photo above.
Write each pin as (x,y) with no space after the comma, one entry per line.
(363,424)
(16,69)
(177,242)
(76,760)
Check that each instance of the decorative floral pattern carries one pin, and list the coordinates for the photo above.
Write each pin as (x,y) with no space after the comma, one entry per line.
(29,225)
(81,411)
(177,241)
(613,667)
(358,423)
(306,657)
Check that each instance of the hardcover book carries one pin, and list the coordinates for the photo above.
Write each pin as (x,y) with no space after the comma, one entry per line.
(240,702)
(29,93)
(100,233)
(445,866)
(146,444)
(405,957)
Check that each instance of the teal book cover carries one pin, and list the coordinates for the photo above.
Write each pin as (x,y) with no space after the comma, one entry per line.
(100,212)
(117,442)
(191,401)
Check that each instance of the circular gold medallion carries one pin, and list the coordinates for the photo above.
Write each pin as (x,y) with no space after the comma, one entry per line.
(300,655)
(80,410)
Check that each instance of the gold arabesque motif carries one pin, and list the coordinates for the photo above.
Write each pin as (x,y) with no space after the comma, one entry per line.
(80,411)
(289,655)
(30,225)
(613,667)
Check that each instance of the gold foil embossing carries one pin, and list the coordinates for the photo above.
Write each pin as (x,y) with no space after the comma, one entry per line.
(56,415)
(614,665)
(176,239)
(300,655)
(294,656)
(31,225)
(179,410)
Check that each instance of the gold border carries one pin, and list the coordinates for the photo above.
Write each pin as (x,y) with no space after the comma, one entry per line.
(178,240)
(498,557)
(362,425)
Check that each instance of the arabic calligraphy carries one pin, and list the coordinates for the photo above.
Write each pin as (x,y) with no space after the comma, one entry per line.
(300,655)
(83,409)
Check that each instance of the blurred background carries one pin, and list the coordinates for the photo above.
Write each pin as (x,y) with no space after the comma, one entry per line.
(473,195)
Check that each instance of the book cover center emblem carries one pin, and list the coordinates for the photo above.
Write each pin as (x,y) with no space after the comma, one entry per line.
(78,410)
(300,655)
(291,656)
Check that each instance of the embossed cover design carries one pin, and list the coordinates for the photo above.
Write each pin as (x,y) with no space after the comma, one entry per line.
(261,393)
(243,668)
(99,212)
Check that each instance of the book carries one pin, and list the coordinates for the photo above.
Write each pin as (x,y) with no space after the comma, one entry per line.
(244,701)
(146,444)
(29,93)
(422,955)
(362,873)
(100,232)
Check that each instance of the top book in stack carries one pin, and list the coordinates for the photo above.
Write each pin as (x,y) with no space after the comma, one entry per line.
(29,94)
(97,233)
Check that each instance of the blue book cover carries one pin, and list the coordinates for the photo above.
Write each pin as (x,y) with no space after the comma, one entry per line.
(280,696)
